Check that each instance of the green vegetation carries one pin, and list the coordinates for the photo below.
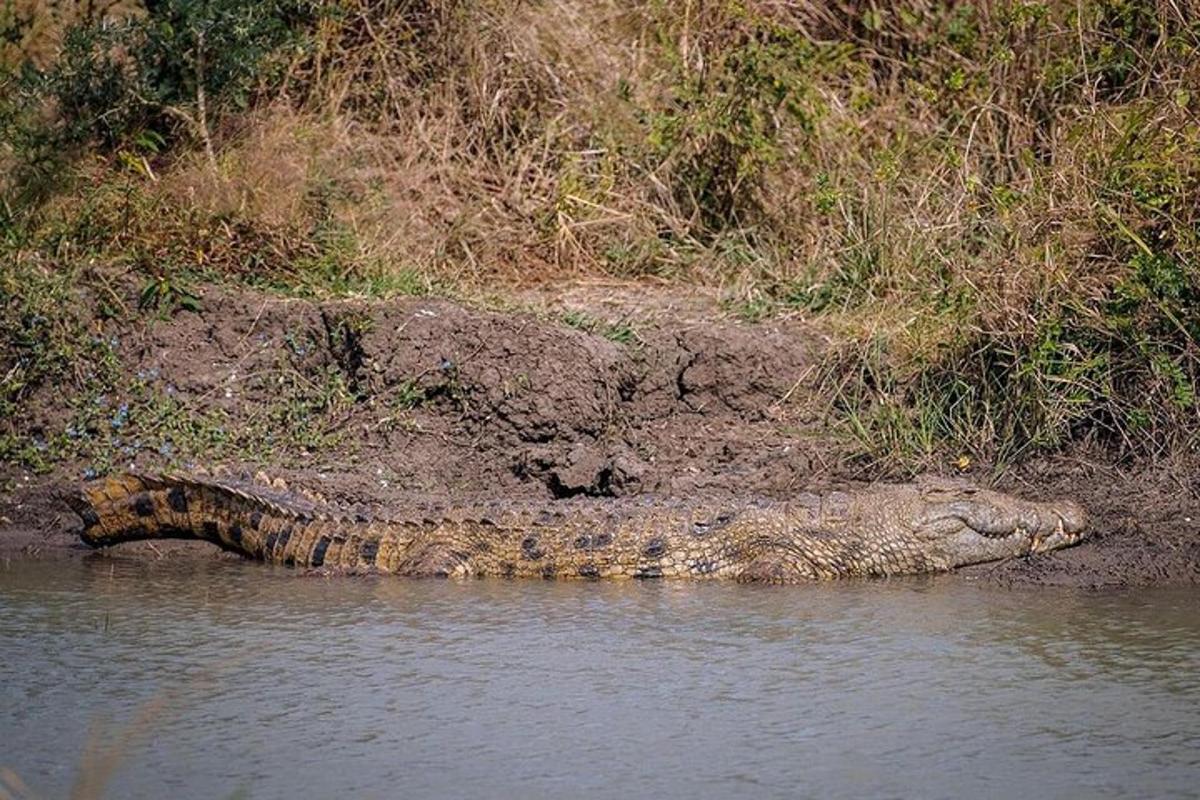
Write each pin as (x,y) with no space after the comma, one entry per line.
(993,207)
(620,332)
(111,416)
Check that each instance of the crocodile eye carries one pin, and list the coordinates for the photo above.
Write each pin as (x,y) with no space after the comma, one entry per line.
(705,527)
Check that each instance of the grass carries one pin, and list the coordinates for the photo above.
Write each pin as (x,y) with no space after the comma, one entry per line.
(620,332)
(110,416)
(990,207)
(110,425)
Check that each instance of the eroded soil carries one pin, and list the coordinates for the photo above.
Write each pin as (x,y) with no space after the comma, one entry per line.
(597,391)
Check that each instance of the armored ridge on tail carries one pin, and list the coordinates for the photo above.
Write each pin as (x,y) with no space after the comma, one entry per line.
(884,530)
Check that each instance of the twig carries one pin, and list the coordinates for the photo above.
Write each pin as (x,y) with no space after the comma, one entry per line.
(795,386)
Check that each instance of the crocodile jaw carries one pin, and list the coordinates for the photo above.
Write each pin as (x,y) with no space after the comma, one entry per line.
(988,526)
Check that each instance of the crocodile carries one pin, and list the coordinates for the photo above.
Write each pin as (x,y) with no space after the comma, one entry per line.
(883,530)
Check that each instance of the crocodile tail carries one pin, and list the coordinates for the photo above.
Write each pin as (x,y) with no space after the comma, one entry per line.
(131,506)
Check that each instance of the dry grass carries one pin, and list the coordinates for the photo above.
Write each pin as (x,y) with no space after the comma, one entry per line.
(37,26)
(1002,191)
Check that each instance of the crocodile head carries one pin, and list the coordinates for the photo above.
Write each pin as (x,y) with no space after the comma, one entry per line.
(970,526)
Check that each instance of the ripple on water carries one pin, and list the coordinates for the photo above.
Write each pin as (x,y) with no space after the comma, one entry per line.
(282,685)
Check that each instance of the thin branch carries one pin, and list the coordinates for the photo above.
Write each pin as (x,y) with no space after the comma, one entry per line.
(202,106)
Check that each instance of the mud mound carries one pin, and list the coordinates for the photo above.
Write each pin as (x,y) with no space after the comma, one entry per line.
(439,398)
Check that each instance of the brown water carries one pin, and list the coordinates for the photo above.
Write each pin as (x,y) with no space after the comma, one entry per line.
(255,682)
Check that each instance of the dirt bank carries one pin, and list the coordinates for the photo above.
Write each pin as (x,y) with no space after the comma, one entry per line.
(598,392)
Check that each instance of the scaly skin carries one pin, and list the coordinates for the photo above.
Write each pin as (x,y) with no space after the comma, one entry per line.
(885,530)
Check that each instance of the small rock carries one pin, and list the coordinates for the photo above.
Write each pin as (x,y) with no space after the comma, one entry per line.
(584,471)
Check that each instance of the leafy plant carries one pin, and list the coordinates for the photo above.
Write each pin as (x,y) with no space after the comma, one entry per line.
(167,294)
(172,72)
(719,131)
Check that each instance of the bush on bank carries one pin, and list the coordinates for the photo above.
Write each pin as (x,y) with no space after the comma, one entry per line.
(992,205)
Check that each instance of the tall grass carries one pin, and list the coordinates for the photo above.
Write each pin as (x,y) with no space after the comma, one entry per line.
(993,204)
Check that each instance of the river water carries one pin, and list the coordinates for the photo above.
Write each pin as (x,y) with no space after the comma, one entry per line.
(237,680)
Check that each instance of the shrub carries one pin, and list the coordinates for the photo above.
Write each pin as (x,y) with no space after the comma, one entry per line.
(144,81)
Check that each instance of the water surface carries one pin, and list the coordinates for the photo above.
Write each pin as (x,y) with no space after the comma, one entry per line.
(230,679)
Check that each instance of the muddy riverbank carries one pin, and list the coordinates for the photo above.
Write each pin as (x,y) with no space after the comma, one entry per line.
(598,392)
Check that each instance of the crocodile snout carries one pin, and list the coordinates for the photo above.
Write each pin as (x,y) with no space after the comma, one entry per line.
(1063,524)
(1072,516)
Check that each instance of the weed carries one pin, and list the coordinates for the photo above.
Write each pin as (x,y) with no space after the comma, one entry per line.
(408,394)
(44,336)
(165,295)
(620,332)
(148,77)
